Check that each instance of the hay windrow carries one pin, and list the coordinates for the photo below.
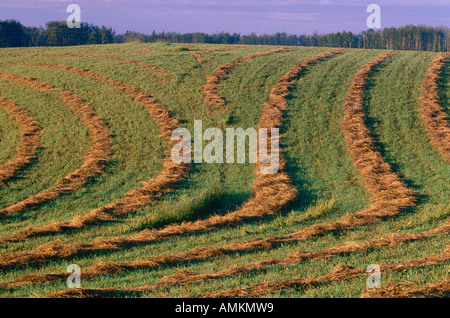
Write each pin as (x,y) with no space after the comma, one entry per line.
(433,114)
(29,140)
(389,195)
(440,289)
(94,162)
(271,192)
(339,273)
(136,199)
(198,56)
(348,222)
(212,85)
(114,58)
(277,187)
(184,278)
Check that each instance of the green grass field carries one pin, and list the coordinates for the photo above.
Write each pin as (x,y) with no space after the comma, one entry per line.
(312,141)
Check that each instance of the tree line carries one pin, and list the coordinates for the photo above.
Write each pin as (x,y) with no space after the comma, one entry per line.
(56,33)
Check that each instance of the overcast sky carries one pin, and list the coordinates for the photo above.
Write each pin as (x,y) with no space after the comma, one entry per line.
(241,16)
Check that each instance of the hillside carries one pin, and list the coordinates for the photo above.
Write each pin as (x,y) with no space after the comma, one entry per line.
(86,175)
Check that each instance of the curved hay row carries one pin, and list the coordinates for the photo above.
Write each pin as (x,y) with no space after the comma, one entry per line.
(251,245)
(441,289)
(198,56)
(135,199)
(388,193)
(76,70)
(211,87)
(184,278)
(115,58)
(340,273)
(95,161)
(29,140)
(433,114)
(271,194)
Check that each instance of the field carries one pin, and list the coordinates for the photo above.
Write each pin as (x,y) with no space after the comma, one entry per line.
(86,176)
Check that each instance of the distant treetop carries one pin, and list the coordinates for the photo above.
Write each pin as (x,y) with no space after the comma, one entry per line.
(56,33)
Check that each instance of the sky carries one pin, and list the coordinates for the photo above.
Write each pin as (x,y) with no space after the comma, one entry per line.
(240,16)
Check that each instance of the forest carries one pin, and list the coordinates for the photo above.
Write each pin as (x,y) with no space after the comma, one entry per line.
(56,33)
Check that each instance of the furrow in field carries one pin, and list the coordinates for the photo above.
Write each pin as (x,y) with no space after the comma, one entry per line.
(272,192)
(135,199)
(433,114)
(440,289)
(29,140)
(212,85)
(95,161)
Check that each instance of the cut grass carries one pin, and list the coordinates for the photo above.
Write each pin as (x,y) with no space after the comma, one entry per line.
(9,136)
(123,121)
(317,161)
